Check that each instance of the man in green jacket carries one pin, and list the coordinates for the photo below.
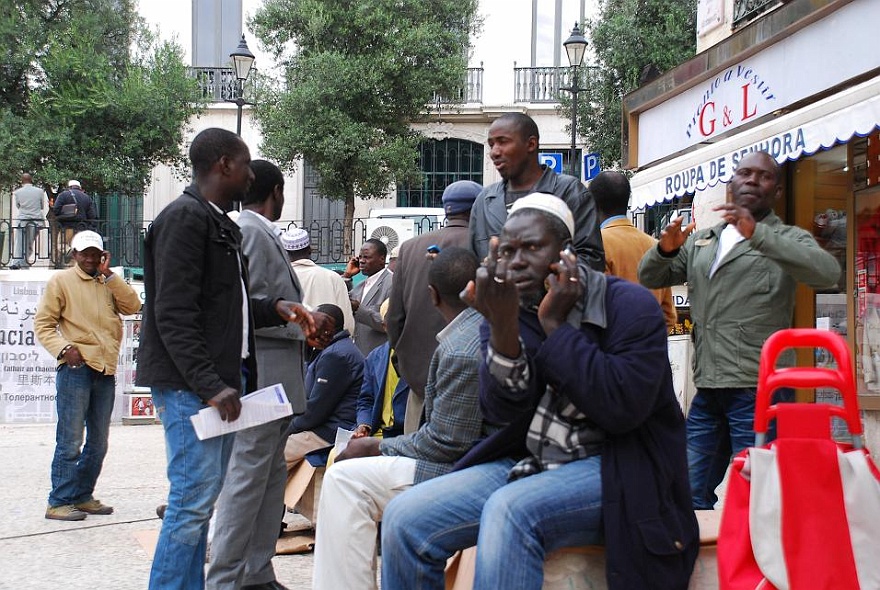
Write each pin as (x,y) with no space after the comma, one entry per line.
(741,276)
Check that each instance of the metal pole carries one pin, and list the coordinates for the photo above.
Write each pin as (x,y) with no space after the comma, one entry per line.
(574,111)
(240,102)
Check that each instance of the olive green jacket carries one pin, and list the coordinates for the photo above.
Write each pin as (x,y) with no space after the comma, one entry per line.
(750,296)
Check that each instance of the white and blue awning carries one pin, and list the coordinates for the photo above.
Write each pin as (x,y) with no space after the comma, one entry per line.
(821,125)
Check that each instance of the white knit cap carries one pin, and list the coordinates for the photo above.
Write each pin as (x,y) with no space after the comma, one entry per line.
(74,183)
(549,204)
(295,239)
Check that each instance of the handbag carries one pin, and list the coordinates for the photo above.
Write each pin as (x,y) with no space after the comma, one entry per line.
(69,212)
(802,512)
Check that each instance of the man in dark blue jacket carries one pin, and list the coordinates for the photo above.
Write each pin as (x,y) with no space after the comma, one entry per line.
(333,382)
(373,415)
(591,441)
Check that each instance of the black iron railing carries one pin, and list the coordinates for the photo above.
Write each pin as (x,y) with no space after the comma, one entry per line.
(746,10)
(42,244)
(543,84)
(217,84)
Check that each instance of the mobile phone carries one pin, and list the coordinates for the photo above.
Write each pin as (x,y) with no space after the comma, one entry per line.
(568,251)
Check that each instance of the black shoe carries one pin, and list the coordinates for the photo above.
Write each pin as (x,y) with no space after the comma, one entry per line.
(273,585)
(160,510)
(14,267)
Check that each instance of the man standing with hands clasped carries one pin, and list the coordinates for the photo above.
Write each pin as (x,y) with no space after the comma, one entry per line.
(741,277)
(78,322)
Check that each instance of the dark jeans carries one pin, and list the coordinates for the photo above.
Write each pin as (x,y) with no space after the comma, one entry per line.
(720,424)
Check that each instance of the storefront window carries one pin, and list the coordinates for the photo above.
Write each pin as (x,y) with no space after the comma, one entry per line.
(867,284)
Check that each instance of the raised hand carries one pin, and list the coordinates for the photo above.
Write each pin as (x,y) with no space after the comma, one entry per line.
(673,236)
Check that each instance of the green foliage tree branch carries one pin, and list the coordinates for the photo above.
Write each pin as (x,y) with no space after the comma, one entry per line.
(627,36)
(88,93)
(356,75)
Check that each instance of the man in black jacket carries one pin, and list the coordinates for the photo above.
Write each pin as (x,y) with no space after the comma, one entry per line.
(80,214)
(197,342)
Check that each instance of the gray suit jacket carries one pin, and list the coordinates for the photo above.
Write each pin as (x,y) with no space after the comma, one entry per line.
(368,331)
(279,348)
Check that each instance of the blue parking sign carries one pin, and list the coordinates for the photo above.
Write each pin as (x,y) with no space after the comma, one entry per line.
(591,166)
(553,160)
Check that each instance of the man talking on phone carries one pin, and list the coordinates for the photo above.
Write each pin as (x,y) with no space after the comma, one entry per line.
(78,322)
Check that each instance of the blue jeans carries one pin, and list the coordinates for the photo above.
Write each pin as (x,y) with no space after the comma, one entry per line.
(514,524)
(720,424)
(196,469)
(84,401)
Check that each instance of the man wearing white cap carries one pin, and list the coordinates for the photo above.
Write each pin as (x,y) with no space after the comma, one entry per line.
(320,285)
(78,323)
(592,446)
(74,211)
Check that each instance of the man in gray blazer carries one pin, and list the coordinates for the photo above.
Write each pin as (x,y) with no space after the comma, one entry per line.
(366,297)
(252,500)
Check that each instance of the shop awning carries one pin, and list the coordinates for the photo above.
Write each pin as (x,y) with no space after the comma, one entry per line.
(821,125)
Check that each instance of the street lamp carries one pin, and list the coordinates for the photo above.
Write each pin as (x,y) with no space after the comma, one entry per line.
(575,47)
(242,62)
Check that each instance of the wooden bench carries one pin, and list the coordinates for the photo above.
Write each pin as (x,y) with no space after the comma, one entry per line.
(583,568)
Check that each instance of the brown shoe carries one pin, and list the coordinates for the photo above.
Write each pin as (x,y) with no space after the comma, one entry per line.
(94,506)
(65,512)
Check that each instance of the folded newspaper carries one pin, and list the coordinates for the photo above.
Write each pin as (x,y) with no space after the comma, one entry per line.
(259,407)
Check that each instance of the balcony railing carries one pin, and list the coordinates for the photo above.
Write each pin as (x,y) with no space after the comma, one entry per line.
(217,84)
(746,10)
(471,91)
(539,85)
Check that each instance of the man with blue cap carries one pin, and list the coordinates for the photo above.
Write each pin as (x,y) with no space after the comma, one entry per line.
(412,321)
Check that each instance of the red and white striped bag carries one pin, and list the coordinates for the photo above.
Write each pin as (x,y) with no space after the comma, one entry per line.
(802,513)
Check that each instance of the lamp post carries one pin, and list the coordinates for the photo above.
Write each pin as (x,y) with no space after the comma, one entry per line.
(242,62)
(575,47)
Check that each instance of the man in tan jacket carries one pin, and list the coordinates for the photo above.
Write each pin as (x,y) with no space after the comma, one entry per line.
(624,243)
(78,323)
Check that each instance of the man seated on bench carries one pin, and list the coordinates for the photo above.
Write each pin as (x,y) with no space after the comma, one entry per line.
(370,472)
(593,444)
(381,405)
(333,382)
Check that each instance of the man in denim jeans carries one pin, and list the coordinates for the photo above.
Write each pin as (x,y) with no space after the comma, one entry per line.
(589,442)
(741,276)
(78,322)
(197,342)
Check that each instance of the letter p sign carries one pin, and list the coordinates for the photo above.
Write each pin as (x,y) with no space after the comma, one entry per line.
(591,166)
(552,160)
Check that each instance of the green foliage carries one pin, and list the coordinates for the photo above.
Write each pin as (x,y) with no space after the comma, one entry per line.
(88,93)
(356,74)
(627,36)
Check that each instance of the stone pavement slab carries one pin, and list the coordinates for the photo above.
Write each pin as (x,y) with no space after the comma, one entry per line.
(100,552)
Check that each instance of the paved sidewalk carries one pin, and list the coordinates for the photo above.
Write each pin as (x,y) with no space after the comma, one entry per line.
(101,552)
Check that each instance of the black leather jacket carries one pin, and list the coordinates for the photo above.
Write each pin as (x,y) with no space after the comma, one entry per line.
(191,333)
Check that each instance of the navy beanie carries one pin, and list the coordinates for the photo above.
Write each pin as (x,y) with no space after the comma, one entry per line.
(460,196)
